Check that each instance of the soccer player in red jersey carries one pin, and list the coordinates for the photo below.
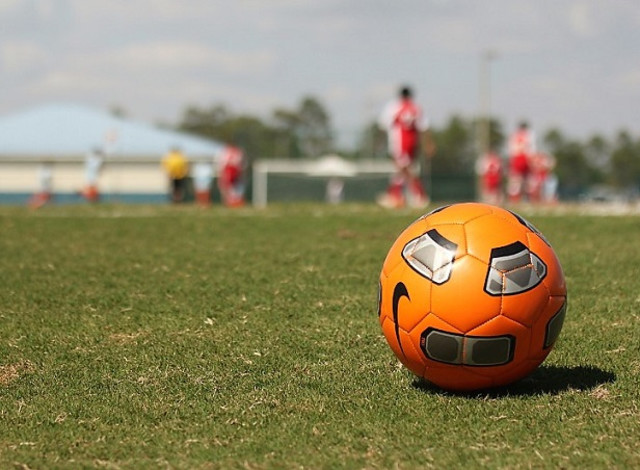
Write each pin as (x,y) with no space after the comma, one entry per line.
(521,148)
(489,168)
(542,182)
(230,176)
(405,124)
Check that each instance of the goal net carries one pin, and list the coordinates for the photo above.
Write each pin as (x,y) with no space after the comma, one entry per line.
(330,179)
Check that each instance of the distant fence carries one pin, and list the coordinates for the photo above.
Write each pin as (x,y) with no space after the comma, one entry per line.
(285,181)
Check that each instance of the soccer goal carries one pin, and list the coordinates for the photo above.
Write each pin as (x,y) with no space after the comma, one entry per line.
(330,178)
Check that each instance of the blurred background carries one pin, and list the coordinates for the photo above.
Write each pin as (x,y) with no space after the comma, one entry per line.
(295,82)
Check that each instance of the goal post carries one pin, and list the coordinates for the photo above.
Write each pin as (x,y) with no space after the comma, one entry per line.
(372,173)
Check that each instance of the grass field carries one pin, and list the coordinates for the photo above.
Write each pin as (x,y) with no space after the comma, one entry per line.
(174,337)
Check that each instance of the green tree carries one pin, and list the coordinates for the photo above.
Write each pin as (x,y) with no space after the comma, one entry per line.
(456,147)
(572,167)
(598,151)
(598,155)
(305,131)
(257,138)
(625,162)
(314,128)
(372,143)
(286,123)
(205,122)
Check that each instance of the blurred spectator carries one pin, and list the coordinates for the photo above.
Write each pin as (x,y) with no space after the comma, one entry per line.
(334,191)
(45,183)
(542,181)
(202,176)
(405,124)
(92,165)
(489,167)
(550,189)
(177,168)
(521,148)
(231,176)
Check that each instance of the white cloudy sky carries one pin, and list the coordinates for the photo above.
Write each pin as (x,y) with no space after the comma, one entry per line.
(574,64)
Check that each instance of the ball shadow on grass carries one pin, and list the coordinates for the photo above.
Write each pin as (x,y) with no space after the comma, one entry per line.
(551,380)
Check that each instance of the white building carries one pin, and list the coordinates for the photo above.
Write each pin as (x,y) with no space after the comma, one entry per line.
(59,137)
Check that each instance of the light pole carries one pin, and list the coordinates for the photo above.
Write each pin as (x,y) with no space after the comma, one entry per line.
(484,118)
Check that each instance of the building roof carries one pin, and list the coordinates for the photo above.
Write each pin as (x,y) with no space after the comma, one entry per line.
(69,131)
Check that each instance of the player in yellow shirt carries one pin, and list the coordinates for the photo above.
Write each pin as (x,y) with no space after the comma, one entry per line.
(177,168)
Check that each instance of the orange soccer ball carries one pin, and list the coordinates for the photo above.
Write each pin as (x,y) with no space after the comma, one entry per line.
(471,297)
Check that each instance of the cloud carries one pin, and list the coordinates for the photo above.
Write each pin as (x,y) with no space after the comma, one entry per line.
(179,55)
(136,12)
(630,81)
(8,6)
(581,20)
(154,57)
(18,56)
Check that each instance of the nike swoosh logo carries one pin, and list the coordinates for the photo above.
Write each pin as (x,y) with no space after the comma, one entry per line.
(398,292)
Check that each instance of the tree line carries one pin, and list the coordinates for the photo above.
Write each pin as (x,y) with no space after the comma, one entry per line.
(306,132)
